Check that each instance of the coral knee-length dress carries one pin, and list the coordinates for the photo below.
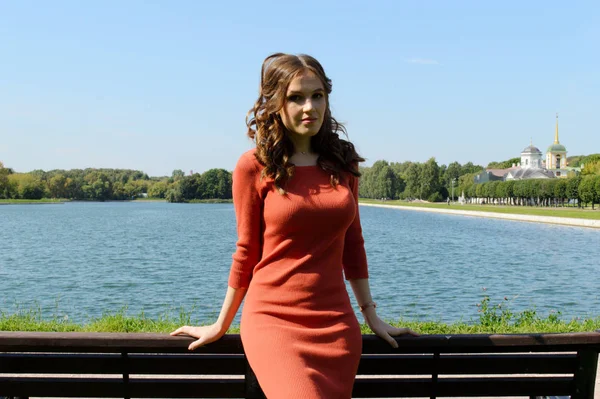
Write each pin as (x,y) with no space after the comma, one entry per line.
(298,328)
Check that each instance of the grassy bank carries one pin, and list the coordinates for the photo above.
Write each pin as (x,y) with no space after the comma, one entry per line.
(211,201)
(149,200)
(566,212)
(491,319)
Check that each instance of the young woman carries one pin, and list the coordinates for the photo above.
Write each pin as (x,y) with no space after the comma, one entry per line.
(299,235)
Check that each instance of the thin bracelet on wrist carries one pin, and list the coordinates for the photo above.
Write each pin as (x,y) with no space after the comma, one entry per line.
(367,305)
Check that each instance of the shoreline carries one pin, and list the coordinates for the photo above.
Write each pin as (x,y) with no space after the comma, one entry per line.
(34,203)
(565,221)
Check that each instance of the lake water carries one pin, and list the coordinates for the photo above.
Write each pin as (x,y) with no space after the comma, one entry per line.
(84,259)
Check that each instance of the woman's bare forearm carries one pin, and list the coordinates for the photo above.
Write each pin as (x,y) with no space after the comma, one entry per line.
(231,304)
(362,292)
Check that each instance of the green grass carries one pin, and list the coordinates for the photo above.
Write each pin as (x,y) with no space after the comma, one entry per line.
(149,200)
(28,201)
(566,212)
(211,201)
(491,319)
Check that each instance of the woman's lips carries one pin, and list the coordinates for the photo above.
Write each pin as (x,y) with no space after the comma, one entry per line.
(309,120)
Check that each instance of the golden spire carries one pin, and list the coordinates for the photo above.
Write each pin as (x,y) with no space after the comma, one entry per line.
(556,134)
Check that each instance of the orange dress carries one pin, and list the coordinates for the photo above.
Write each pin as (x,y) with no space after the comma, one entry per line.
(298,328)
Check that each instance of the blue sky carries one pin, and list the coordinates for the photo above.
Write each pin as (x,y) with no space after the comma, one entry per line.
(164,85)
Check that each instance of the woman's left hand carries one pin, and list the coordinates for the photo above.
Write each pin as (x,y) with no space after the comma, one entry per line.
(387,331)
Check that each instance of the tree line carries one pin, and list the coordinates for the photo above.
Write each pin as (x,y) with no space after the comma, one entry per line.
(413,180)
(432,182)
(580,190)
(384,180)
(113,184)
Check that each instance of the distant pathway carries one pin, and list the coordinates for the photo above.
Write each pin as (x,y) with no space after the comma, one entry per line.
(452,210)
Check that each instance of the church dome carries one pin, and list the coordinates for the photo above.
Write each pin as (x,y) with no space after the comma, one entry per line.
(557,148)
(531,150)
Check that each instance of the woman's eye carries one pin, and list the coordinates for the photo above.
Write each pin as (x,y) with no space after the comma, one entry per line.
(318,95)
(294,98)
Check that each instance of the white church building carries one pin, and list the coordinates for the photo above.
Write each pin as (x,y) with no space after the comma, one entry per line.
(530,167)
(533,165)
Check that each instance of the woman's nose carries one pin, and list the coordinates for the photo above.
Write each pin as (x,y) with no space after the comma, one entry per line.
(308,105)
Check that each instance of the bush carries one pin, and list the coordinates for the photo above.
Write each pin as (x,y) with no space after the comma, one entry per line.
(435,197)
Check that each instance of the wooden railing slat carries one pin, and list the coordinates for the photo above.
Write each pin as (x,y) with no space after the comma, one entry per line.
(423,387)
(114,388)
(143,343)
(471,364)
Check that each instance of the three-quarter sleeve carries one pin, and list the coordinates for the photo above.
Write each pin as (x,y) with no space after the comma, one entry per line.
(248,205)
(355,257)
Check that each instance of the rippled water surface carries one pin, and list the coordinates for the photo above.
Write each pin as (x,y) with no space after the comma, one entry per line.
(86,259)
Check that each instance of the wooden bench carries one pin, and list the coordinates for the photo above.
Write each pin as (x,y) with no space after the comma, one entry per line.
(157,365)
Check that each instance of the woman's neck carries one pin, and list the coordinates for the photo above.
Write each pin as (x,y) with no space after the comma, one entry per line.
(301,145)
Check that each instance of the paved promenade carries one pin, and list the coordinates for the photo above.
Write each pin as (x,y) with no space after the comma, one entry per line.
(454,209)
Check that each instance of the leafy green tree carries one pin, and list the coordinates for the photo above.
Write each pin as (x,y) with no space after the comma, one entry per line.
(591,168)
(400,186)
(471,191)
(587,190)
(413,177)
(215,183)
(509,189)
(466,184)
(519,191)
(590,158)
(429,178)
(225,184)
(386,183)
(189,187)
(400,167)
(597,187)
(573,189)
(560,190)
(480,190)
(453,171)
(119,192)
(28,186)
(177,174)
(470,168)
(174,194)
(158,190)
(132,190)
(501,191)
(442,175)
(4,184)
(74,188)
(364,184)
(492,190)
(98,187)
(546,190)
(534,189)
(57,186)
(504,164)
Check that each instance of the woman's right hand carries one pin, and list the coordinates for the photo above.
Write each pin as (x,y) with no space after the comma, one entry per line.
(205,334)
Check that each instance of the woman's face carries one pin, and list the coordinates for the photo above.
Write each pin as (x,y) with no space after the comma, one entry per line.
(305,105)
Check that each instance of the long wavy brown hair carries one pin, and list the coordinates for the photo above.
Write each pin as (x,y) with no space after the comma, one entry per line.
(273,146)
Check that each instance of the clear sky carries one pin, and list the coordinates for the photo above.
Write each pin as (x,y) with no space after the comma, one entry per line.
(164,85)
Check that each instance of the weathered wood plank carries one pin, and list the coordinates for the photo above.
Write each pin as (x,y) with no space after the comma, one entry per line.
(468,364)
(452,387)
(114,388)
(144,343)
